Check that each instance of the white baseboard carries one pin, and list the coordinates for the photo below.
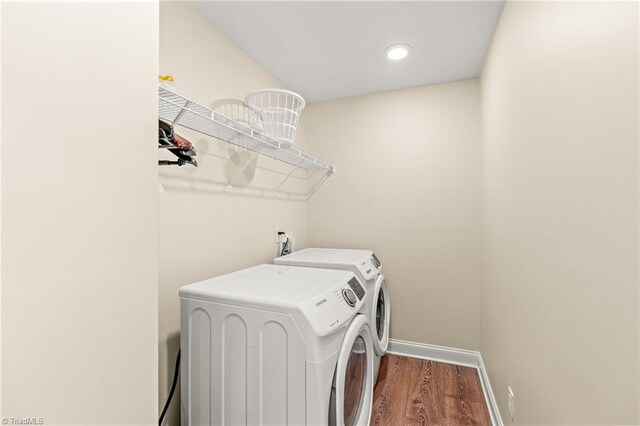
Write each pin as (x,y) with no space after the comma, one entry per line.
(488,393)
(435,353)
(454,356)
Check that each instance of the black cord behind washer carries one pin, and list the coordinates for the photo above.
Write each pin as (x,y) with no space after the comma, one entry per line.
(173,388)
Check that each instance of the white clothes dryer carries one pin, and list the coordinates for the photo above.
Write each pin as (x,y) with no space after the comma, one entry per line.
(276,345)
(368,269)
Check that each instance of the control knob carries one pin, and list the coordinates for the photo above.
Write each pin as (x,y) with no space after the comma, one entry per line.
(349,297)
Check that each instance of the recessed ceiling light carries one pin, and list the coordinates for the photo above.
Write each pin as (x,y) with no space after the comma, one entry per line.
(397,52)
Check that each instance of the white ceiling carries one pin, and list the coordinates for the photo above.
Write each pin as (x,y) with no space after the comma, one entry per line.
(330,50)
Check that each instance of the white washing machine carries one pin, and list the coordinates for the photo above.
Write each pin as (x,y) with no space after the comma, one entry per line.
(276,345)
(368,269)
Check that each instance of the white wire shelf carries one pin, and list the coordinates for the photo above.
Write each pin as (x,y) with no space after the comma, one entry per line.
(178,110)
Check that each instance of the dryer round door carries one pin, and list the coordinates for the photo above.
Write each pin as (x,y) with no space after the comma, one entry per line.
(380,315)
(353,397)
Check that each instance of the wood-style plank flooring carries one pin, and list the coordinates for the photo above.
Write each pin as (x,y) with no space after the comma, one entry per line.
(412,391)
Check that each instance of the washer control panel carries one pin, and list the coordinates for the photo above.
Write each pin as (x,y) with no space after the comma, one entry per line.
(336,307)
(369,268)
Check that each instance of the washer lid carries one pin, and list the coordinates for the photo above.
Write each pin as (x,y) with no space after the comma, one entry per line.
(328,299)
(346,256)
(362,262)
(268,285)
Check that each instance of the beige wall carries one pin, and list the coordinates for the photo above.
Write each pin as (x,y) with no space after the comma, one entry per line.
(559,301)
(204,229)
(407,186)
(79,213)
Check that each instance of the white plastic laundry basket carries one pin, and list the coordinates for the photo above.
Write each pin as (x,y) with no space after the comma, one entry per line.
(278,111)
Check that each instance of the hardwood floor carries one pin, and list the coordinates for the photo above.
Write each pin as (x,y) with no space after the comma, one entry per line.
(412,391)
